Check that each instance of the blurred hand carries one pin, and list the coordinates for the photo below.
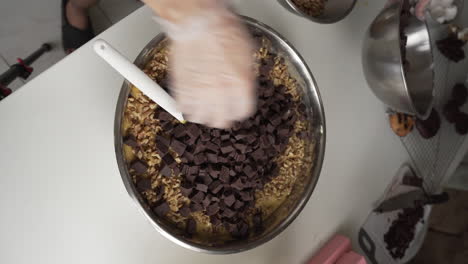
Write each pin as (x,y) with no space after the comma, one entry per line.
(211,64)
(419,7)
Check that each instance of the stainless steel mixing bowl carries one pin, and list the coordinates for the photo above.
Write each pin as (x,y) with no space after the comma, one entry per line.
(335,10)
(291,208)
(409,90)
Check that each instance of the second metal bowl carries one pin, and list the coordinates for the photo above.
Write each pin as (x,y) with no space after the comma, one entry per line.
(335,10)
(411,89)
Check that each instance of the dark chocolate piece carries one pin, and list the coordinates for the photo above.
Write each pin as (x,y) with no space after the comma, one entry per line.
(144,184)
(193,170)
(249,171)
(165,116)
(212,209)
(198,197)
(139,167)
(229,200)
(195,207)
(213,158)
(178,147)
(160,140)
(179,131)
(166,171)
(237,184)
(168,127)
(215,187)
(162,209)
(201,187)
(184,211)
(186,189)
(169,160)
(238,204)
(228,213)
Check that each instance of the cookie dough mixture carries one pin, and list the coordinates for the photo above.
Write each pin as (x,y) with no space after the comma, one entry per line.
(214,184)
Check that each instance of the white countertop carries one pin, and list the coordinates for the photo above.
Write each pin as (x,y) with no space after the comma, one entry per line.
(62,198)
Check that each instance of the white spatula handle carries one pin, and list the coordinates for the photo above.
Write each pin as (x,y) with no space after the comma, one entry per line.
(137,77)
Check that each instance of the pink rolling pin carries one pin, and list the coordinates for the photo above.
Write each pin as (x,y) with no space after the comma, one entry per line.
(332,251)
(351,258)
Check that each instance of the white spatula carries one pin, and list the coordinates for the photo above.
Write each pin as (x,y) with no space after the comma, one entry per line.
(137,77)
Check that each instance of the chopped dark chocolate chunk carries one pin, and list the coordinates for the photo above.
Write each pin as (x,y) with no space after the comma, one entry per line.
(211,146)
(195,207)
(237,184)
(186,189)
(179,131)
(144,184)
(184,211)
(228,213)
(213,173)
(226,149)
(178,147)
(139,167)
(166,171)
(199,159)
(168,127)
(258,154)
(213,158)
(205,137)
(169,160)
(130,140)
(207,180)
(241,147)
(165,116)
(246,196)
(160,140)
(215,220)
(201,187)
(193,170)
(229,200)
(216,133)
(198,197)
(215,187)
(249,171)
(198,149)
(238,204)
(162,209)
(212,209)
(206,202)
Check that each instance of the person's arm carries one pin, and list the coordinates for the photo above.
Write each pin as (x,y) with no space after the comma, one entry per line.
(211,61)
(176,11)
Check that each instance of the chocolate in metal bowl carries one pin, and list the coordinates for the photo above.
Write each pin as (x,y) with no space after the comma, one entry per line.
(301,191)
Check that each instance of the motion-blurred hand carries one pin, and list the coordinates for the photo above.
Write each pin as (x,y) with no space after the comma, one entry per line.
(420,7)
(211,62)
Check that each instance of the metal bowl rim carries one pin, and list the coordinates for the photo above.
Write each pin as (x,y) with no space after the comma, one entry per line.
(316,170)
(318,20)
(417,112)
